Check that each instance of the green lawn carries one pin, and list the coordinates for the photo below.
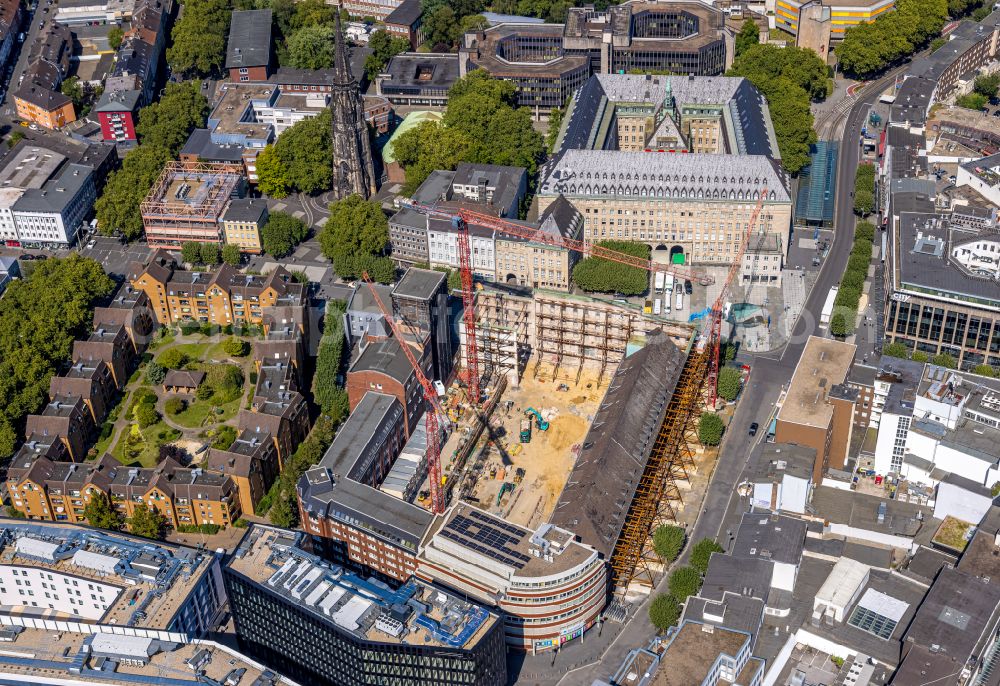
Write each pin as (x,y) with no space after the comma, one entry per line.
(200,413)
(144,449)
(158,342)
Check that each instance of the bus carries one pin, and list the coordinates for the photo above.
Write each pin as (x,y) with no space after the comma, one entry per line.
(824,316)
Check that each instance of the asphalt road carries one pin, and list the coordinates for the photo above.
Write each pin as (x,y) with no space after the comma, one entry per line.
(598,656)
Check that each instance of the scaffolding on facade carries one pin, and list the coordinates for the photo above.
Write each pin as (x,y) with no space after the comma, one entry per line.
(186,191)
(567,330)
(633,560)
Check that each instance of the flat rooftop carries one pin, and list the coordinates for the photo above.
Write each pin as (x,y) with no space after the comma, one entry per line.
(46,653)
(415,614)
(234,113)
(153,579)
(690,656)
(30,167)
(824,363)
(484,540)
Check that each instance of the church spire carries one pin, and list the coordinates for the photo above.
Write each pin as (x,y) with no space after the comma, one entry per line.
(353,167)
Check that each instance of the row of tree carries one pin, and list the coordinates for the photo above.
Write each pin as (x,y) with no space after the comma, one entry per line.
(40,317)
(209,254)
(845,305)
(198,39)
(482,125)
(864,189)
(790,78)
(869,48)
(163,128)
(683,582)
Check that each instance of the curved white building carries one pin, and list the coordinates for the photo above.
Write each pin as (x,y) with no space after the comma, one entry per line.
(550,587)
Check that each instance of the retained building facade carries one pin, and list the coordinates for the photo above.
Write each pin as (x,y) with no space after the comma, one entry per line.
(696,206)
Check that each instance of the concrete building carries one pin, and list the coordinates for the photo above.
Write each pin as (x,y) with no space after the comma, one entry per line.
(707,654)
(405,22)
(693,208)
(792,15)
(9,270)
(550,588)
(38,98)
(783,478)
(291,609)
(51,216)
(418,79)
(242,223)
(173,592)
(817,410)
(248,50)
(548,62)
(382,367)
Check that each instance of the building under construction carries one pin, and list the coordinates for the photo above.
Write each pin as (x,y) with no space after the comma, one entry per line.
(519,329)
(187,202)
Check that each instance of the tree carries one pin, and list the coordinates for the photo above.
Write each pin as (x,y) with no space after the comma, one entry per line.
(98,512)
(597,274)
(118,207)
(191,252)
(174,405)
(231,255)
(73,89)
(209,253)
(147,522)
(356,228)
(995,489)
(40,318)
(710,428)
(555,123)
(945,360)
(441,28)
(224,437)
(115,36)
(702,553)
(225,381)
(895,349)
(298,160)
(167,122)
(972,101)
(146,415)
(664,611)
(868,48)
(426,148)
(283,513)
(199,38)
(684,582)
(668,540)
(987,85)
(919,356)
(311,47)
(748,36)
(384,47)
(236,347)
(985,370)
(282,233)
(14,138)
(728,385)
(155,374)
(172,358)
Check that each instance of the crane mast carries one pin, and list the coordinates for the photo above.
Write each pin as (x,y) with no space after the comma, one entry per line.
(433,410)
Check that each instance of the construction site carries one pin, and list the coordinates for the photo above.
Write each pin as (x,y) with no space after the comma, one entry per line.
(571,410)
(187,201)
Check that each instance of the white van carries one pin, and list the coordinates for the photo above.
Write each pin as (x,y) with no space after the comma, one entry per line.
(679,299)
(657,306)
(666,303)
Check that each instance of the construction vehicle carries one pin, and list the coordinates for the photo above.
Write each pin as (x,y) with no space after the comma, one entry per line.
(525,431)
(504,489)
(539,422)
(519,475)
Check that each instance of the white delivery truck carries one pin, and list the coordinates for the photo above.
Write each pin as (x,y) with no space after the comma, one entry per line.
(824,316)
(658,281)
(657,307)
(666,302)
(679,298)
(668,283)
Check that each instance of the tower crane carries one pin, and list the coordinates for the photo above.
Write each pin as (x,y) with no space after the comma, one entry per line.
(461,218)
(434,410)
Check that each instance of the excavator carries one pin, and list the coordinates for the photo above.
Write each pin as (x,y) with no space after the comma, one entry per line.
(539,422)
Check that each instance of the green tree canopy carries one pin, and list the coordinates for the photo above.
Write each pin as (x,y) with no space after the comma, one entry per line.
(191,252)
(664,611)
(282,233)
(945,360)
(984,370)
(172,358)
(356,228)
(99,513)
(167,122)
(118,207)
(311,47)
(701,553)
(115,36)
(987,84)
(710,428)
(684,582)
(40,317)
(231,255)
(896,349)
(869,48)
(384,47)
(668,541)
(236,347)
(299,160)
(199,38)
(748,36)
(146,522)
(209,253)
(728,385)
(597,274)
(428,147)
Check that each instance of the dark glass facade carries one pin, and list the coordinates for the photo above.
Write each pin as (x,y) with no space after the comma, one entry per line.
(971,336)
(312,650)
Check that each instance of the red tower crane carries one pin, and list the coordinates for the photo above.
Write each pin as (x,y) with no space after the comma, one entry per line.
(433,411)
